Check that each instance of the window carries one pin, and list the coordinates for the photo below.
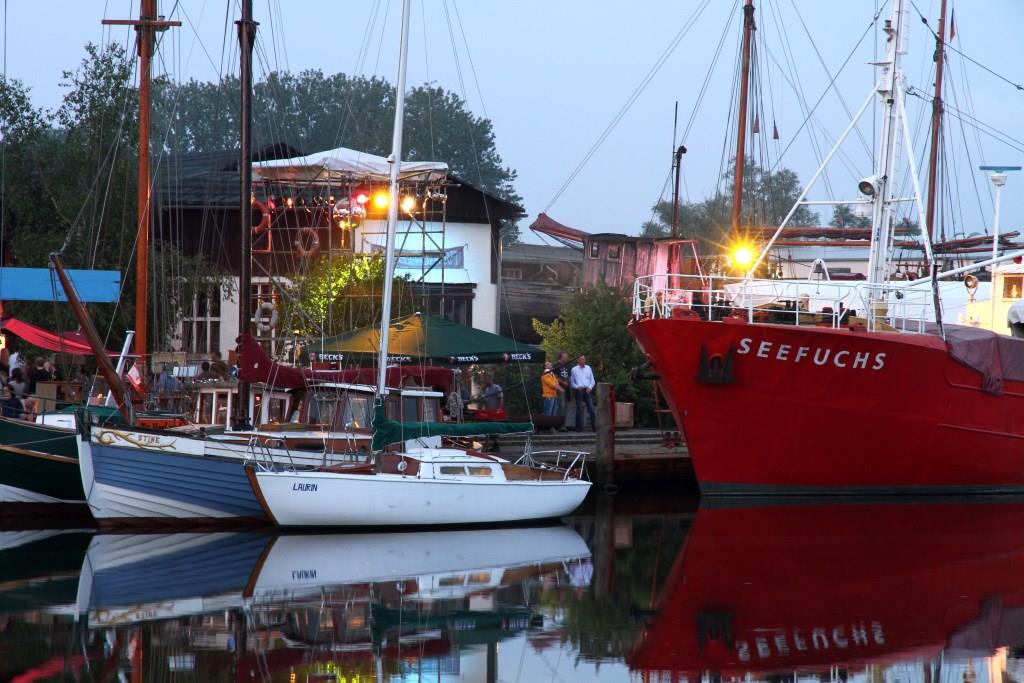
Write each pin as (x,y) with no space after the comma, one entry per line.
(449,301)
(595,249)
(430,410)
(512,273)
(453,470)
(479,471)
(357,412)
(321,410)
(1012,285)
(410,408)
(200,326)
(204,415)
(614,250)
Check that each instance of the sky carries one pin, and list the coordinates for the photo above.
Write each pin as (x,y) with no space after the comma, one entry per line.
(554,76)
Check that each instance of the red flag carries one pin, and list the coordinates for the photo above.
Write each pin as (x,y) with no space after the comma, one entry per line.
(952,24)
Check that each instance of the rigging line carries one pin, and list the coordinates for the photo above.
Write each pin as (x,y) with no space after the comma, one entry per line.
(828,87)
(970,59)
(195,33)
(633,97)
(980,125)
(469,57)
(824,66)
(966,149)
(801,97)
(429,90)
(710,72)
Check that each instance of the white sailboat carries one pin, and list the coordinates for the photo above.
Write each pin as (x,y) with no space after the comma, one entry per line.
(418,485)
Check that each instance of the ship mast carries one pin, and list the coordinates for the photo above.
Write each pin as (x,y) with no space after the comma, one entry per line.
(933,155)
(246,38)
(393,201)
(146,27)
(881,183)
(741,132)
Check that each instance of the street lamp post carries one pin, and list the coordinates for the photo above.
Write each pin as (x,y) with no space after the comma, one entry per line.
(997,174)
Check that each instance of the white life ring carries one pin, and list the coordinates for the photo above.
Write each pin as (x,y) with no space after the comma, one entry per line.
(266,317)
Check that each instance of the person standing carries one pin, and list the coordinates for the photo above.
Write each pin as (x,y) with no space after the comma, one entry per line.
(493,396)
(549,390)
(582,381)
(562,371)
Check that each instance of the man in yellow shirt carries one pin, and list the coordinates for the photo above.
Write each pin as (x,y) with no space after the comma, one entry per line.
(549,390)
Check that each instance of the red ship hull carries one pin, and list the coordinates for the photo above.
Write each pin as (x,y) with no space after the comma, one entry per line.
(811,410)
(808,587)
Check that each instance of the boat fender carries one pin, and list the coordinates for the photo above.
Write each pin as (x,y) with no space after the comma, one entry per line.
(267,317)
(265,219)
(715,368)
(307,242)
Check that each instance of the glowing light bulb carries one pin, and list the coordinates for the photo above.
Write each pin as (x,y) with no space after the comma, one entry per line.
(408,203)
(380,199)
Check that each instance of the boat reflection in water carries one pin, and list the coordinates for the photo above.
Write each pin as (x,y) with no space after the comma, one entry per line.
(340,605)
(842,591)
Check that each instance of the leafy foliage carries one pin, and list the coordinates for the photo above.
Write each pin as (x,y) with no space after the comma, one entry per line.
(767,198)
(70,186)
(314,111)
(592,323)
(340,294)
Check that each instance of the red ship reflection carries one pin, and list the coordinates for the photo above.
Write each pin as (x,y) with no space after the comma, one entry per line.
(762,590)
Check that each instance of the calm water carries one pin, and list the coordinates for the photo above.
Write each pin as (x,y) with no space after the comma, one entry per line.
(630,590)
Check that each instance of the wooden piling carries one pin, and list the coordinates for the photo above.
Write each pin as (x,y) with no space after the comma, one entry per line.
(604,449)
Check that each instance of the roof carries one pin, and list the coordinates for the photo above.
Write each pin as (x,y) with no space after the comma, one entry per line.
(540,253)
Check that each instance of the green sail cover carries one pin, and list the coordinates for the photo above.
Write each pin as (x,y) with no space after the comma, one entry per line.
(387,432)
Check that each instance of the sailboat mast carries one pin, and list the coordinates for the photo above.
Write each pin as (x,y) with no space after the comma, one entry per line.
(246,38)
(146,27)
(393,201)
(933,154)
(881,230)
(741,131)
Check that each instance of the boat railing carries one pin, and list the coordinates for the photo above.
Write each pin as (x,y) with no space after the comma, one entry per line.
(567,460)
(886,306)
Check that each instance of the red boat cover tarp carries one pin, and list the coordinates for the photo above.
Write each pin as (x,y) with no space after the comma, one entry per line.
(254,365)
(74,343)
(995,356)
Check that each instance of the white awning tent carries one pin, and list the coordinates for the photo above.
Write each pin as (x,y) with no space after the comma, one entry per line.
(343,165)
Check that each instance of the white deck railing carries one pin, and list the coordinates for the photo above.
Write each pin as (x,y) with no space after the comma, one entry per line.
(894,305)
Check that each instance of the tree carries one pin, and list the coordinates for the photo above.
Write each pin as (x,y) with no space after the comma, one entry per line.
(70,186)
(341,294)
(313,111)
(767,198)
(844,217)
(592,323)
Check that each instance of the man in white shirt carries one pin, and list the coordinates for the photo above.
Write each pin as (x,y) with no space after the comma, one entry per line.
(582,382)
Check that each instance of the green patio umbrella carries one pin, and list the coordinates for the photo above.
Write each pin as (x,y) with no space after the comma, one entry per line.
(426,339)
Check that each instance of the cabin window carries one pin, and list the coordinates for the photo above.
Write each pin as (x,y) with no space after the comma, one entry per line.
(430,410)
(453,470)
(595,249)
(479,578)
(221,408)
(481,471)
(448,581)
(205,413)
(614,250)
(278,410)
(1012,285)
(321,410)
(512,273)
(410,408)
(357,412)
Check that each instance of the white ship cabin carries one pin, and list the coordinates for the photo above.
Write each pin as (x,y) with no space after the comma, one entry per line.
(993,311)
(337,406)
